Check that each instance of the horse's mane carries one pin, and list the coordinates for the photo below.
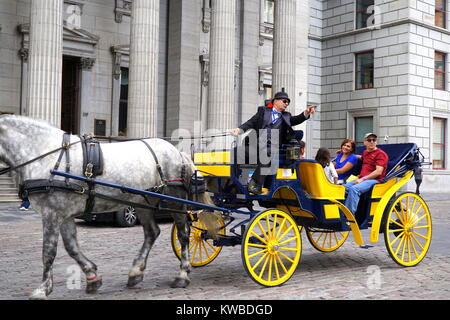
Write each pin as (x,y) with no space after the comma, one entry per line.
(28,125)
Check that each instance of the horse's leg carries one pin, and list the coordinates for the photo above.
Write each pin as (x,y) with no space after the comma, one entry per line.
(151,232)
(182,280)
(51,224)
(69,236)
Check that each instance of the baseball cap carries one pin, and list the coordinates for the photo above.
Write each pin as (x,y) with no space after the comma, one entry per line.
(370,134)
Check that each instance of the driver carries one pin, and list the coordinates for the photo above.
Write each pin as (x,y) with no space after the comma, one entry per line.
(275,118)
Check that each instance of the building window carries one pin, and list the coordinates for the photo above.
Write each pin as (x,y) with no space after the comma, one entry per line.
(123,102)
(439,13)
(363,125)
(364,10)
(364,70)
(268,11)
(439,70)
(439,125)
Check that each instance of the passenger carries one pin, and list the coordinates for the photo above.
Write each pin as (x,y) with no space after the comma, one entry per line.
(345,160)
(302,145)
(272,119)
(323,157)
(373,171)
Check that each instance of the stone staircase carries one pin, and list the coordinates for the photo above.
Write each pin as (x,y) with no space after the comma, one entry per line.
(8,190)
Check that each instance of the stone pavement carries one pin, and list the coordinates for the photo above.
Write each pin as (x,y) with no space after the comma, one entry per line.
(349,273)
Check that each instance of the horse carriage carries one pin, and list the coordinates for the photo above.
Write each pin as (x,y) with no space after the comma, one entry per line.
(146,173)
(300,197)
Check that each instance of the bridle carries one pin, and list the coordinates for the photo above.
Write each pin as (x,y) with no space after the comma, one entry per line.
(64,146)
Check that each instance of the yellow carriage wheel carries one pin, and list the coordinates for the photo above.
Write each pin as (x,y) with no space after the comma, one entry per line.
(271,247)
(407,229)
(201,251)
(326,240)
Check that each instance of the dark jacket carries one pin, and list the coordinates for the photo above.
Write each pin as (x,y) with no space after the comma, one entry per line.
(264,116)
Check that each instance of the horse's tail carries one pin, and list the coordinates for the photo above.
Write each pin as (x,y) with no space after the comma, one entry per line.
(210,219)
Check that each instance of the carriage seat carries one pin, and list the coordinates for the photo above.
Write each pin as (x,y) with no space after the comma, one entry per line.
(213,163)
(397,152)
(316,184)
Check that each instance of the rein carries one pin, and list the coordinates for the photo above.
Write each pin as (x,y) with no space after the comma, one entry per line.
(67,146)
(64,146)
(118,139)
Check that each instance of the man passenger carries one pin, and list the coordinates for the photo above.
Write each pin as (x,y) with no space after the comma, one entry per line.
(372,172)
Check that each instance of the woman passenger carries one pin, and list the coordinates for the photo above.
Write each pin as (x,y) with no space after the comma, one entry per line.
(345,160)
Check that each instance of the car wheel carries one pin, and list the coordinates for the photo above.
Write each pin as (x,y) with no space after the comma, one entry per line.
(126,217)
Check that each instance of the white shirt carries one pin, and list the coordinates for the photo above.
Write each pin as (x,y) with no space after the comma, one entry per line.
(330,172)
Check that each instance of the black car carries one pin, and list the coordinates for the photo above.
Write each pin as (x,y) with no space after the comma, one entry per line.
(125,217)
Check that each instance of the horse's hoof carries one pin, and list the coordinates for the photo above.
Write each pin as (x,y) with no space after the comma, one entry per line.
(38,294)
(93,285)
(132,281)
(180,283)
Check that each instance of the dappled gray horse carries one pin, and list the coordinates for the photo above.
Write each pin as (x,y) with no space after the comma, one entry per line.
(126,163)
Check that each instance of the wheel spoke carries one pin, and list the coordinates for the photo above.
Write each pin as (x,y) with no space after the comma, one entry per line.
(399,216)
(264,266)
(399,245)
(414,247)
(210,245)
(256,245)
(286,232)
(269,278)
(396,238)
(409,249)
(274,224)
(269,232)
(263,232)
(257,253)
(280,228)
(194,254)
(259,238)
(282,264)
(418,220)
(393,221)
(421,235)
(259,261)
(288,240)
(204,248)
(422,227)
(277,272)
(288,249)
(335,238)
(285,256)
(417,241)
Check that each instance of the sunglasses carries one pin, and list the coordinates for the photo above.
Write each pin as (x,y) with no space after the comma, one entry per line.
(371,140)
(286,101)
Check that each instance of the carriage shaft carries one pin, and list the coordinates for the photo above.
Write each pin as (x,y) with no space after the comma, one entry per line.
(144,192)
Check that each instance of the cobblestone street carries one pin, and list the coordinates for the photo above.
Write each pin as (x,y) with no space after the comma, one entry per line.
(349,273)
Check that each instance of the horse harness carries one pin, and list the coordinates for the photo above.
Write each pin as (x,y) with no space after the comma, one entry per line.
(92,167)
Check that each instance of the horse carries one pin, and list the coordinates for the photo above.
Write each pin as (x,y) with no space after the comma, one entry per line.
(128,163)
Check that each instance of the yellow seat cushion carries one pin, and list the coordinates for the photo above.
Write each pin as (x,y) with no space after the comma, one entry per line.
(313,180)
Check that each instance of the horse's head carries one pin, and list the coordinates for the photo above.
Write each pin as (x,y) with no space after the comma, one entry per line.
(22,138)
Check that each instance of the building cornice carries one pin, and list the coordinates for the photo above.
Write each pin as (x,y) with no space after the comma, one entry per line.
(380,26)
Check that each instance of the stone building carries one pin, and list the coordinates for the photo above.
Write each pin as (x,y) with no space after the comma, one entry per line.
(152,67)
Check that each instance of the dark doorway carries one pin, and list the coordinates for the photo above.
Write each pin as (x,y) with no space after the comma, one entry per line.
(70,98)
(123,103)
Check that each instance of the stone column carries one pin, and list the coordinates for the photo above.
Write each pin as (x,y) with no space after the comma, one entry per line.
(284,45)
(143,82)
(221,103)
(45,61)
